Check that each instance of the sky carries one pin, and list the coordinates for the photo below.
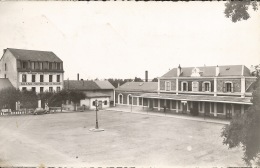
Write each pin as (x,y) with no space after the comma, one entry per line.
(124,39)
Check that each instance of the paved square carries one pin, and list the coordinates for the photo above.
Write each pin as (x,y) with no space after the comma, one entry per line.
(64,139)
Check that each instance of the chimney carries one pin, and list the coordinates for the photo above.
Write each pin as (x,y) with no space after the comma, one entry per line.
(78,76)
(217,70)
(179,70)
(146,76)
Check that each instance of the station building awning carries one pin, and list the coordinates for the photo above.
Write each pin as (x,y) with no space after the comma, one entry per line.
(203,98)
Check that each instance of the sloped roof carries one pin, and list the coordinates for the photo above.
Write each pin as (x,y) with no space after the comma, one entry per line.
(208,71)
(86,85)
(5,83)
(223,99)
(34,55)
(104,84)
(138,86)
(96,94)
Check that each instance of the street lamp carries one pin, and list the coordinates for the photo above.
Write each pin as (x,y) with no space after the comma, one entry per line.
(96,129)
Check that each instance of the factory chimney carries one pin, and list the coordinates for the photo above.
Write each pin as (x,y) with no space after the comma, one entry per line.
(78,76)
(146,76)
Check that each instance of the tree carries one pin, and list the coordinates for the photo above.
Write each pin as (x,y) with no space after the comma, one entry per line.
(244,130)
(28,99)
(138,79)
(155,80)
(8,97)
(238,10)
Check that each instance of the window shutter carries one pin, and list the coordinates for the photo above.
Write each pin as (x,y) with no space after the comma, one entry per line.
(203,87)
(210,87)
(224,87)
(232,90)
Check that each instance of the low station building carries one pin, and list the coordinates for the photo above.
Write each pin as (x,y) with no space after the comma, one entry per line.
(219,91)
(102,91)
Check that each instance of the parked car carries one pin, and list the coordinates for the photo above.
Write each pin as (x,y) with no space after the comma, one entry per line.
(39,111)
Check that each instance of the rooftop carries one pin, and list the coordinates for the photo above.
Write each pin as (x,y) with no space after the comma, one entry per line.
(34,55)
(138,86)
(87,85)
(209,71)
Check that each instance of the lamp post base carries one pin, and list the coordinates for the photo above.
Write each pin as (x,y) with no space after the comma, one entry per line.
(96,129)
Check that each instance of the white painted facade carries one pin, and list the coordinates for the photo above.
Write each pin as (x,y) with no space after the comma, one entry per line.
(88,102)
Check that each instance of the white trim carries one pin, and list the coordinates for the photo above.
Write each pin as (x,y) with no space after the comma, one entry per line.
(118,98)
(232,87)
(128,99)
(203,83)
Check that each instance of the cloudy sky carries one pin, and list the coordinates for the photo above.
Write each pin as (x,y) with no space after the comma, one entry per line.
(123,39)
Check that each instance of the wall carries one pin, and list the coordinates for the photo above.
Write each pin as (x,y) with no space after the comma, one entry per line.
(99,99)
(37,84)
(236,84)
(211,80)
(11,72)
(249,81)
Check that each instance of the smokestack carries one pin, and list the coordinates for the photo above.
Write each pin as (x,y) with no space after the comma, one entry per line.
(146,76)
(217,70)
(78,76)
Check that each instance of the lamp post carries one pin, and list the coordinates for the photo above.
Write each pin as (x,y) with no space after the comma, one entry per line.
(96,129)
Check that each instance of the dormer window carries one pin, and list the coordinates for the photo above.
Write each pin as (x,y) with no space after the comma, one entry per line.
(184,86)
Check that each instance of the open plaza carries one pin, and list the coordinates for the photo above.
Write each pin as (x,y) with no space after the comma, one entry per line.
(128,139)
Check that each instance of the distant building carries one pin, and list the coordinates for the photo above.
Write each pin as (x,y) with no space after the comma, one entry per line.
(220,91)
(102,91)
(130,92)
(32,70)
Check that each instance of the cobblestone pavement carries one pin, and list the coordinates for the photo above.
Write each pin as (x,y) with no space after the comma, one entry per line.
(128,139)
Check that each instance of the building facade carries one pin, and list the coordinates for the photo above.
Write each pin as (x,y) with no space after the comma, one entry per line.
(220,91)
(32,70)
(102,91)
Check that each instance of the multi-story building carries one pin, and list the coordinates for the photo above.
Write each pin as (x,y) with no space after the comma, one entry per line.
(32,70)
(210,90)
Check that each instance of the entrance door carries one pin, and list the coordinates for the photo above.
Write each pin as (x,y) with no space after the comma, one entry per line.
(150,103)
(207,108)
(100,104)
(184,107)
(228,111)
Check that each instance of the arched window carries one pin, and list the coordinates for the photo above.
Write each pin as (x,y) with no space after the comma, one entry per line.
(184,86)
(228,87)
(206,86)
(129,99)
(120,99)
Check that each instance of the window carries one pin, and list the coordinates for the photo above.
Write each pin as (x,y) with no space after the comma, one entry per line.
(228,87)
(33,89)
(58,78)
(50,78)
(41,89)
(33,78)
(40,65)
(94,103)
(5,67)
(120,99)
(23,77)
(212,107)
(195,86)
(24,65)
(23,88)
(5,75)
(58,89)
(184,86)
(41,78)
(50,65)
(201,106)
(58,66)
(32,65)
(206,87)
(168,86)
(105,102)
(50,89)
